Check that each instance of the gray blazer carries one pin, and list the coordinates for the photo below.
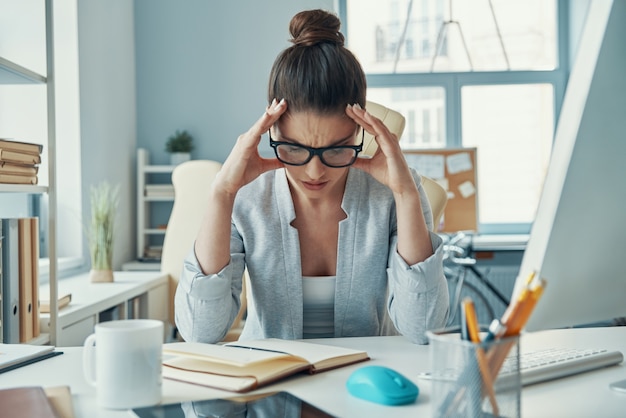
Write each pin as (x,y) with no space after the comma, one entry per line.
(376,293)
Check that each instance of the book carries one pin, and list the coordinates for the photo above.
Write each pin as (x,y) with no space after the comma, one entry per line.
(242,366)
(15,354)
(26,279)
(61,399)
(63,300)
(26,402)
(19,157)
(18,169)
(34,254)
(20,146)
(10,281)
(18,179)
(159,190)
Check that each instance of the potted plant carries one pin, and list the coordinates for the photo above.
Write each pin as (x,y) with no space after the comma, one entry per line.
(104,202)
(179,146)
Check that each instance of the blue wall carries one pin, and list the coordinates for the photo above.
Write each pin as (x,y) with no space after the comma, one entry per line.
(203,66)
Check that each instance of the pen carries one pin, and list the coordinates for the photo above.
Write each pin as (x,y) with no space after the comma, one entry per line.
(473,330)
(454,397)
(511,323)
(464,330)
(471,320)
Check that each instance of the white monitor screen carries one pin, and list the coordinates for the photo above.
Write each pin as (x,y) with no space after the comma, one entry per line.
(578,239)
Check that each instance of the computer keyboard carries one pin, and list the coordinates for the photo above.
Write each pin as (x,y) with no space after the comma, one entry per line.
(548,364)
(554,363)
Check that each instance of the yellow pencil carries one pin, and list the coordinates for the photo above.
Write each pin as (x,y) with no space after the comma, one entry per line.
(474,335)
(512,309)
(517,322)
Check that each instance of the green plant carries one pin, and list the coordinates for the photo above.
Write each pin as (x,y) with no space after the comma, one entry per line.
(181,141)
(104,202)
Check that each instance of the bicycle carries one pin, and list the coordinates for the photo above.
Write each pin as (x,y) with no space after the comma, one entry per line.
(457,264)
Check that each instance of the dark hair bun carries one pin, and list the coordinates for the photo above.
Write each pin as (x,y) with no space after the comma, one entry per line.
(312,27)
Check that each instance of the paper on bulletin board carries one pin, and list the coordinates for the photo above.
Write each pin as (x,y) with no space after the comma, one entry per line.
(432,166)
(459,178)
(467,189)
(459,162)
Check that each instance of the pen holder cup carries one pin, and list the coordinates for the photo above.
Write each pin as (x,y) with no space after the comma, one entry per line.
(474,379)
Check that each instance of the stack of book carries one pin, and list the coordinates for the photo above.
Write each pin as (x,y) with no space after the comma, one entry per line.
(159,190)
(19,161)
(152,253)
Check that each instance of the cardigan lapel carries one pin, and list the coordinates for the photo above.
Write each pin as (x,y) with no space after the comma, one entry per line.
(291,252)
(346,247)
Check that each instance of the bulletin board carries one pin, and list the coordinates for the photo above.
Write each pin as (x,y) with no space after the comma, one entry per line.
(455,170)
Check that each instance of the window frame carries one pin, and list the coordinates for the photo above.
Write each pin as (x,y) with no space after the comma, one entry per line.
(453,82)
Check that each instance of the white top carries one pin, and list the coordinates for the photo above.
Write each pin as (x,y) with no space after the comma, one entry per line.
(318,304)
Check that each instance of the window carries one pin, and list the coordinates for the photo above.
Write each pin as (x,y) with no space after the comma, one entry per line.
(471,73)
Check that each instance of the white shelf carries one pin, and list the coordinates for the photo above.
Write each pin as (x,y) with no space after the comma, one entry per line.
(141,266)
(42,339)
(11,73)
(23,188)
(154,231)
(159,168)
(146,227)
(76,320)
(159,198)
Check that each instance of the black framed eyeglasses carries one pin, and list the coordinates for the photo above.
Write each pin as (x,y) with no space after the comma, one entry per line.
(335,157)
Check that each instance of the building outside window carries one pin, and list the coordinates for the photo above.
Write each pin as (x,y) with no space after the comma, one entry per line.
(471,73)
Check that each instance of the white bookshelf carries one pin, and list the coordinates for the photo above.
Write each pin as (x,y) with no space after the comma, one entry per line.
(12,73)
(146,226)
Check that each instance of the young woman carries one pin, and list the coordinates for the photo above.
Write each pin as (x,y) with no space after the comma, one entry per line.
(335,245)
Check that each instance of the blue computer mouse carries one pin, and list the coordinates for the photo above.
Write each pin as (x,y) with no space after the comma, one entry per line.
(382,385)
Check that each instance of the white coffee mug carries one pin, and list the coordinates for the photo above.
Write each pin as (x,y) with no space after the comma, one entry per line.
(127,363)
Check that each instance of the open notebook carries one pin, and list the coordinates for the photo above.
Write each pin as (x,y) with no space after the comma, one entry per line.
(242,366)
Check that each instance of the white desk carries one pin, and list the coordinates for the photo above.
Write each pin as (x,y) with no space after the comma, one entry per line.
(585,395)
(143,292)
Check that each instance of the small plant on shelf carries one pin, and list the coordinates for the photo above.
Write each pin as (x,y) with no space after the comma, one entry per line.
(179,146)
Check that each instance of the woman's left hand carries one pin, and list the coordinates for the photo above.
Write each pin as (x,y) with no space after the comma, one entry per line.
(388,164)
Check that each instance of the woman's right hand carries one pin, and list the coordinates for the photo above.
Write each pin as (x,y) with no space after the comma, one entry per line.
(244,164)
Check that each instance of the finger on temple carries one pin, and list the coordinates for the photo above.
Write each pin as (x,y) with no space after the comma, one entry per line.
(379,129)
(358,118)
(273,112)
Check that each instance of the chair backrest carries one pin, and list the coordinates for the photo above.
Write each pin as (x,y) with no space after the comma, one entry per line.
(395,122)
(192,181)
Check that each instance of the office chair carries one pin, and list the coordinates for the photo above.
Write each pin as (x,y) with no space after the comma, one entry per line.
(191,181)
(395,122)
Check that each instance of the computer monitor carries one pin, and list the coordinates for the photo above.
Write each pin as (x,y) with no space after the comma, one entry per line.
(578,239)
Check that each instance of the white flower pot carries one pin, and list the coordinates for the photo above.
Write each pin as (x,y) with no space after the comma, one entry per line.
(179,157)
(101,276)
